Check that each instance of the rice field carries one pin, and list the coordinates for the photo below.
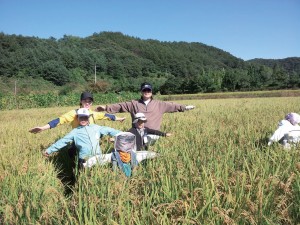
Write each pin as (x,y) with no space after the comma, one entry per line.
(215,169)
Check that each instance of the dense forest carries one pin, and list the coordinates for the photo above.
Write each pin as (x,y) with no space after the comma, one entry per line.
(113,62)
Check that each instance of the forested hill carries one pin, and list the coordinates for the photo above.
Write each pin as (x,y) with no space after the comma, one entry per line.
(121,63)
(290,65)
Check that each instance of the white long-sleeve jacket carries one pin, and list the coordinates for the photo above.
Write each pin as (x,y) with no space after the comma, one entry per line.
(287,132)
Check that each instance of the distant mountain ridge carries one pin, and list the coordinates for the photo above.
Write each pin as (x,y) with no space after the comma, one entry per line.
(289,64)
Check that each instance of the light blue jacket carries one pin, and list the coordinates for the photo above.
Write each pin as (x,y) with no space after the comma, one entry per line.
(86,139)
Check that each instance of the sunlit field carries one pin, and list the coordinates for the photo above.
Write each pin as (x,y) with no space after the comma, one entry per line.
(215,169)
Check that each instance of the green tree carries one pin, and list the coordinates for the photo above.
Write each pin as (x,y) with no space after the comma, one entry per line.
(55,72)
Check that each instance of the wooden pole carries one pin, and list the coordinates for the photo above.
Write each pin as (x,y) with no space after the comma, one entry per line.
(15,88)
(95,74)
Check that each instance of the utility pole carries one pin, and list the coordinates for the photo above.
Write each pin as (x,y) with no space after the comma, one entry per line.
(16,102)
(15,87)
(95,74)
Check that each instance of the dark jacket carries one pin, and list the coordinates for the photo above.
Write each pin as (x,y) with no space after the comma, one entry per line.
(140,145)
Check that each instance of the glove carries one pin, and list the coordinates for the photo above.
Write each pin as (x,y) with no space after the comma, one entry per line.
(189,107)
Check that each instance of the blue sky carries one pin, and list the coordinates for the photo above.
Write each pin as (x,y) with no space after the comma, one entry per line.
(247,29)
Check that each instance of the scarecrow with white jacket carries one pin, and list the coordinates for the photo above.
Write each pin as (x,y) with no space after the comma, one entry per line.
(288,131)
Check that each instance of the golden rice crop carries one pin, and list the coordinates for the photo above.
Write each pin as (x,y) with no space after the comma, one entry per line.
(215,169)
